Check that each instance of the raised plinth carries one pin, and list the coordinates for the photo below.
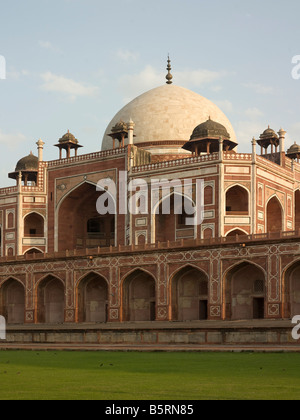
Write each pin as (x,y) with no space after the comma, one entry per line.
(270,334)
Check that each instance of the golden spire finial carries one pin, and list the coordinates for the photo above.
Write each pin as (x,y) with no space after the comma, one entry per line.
(169,76)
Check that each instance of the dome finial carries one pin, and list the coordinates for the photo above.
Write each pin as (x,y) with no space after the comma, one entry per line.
(169,76)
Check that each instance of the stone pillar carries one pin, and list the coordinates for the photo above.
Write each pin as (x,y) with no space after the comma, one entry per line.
(215,303)
(40,147)
(221,148)
(253,149)
(114,308)
(282,134)
(130,131)
(30,304)
(253,199)
(208,148)
(221,199)
(70,309)
(273,289)
(19,216)
(163,302)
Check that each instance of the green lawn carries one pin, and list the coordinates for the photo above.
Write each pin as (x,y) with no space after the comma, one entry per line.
(148,376)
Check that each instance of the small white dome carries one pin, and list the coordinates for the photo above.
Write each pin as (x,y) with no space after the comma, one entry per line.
(166,115)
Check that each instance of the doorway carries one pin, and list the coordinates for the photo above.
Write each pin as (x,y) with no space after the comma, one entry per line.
(258,308)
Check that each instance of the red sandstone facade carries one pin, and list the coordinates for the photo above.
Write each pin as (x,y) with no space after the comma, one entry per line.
(63,262)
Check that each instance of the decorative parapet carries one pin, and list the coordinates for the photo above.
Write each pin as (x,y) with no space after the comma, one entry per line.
(192,161)
(237,156)
(8,190)
(175,163)
(88,157)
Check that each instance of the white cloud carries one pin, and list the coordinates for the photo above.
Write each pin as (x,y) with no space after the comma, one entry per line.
(12,140)
(225,105)
(197,78)
(14,74)
(47,45)
(135,84)
(254,113)
(293,134)
(251,127)
(126,55)
(148,78)
(216,88)
(260,89)
(69,87)
(246,130)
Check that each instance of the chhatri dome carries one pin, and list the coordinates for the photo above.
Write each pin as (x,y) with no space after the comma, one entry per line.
(165,118)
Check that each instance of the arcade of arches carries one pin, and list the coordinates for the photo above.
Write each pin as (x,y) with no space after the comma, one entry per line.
(244,296)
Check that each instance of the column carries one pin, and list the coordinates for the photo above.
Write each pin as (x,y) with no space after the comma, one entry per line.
(221,148)
(130,126)
(163,302)
(282,134)
(19,216)
(253,200)
(208,148)
(40,145)
(221,198)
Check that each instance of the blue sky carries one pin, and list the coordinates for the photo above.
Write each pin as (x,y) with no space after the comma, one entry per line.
(72,64)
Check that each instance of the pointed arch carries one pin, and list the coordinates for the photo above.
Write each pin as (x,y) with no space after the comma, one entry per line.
(237,232)
(297,209)
(78,223)
(172,226)
(12,278)
(50,298)
(92,298)
(49,275)
(244,262)
(134,270)
(12,301)
(187,267)
(34,250)
(274,215)
(237,199)
(138,296)
(291,289)
(34,225)
(91,273)
(189,293)
(74,189)
(243,299)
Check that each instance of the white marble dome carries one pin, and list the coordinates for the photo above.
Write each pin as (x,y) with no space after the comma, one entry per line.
(166,116)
